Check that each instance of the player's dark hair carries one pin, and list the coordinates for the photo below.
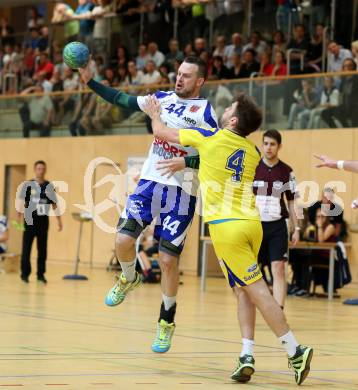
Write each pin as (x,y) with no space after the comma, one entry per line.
(202,67)
(39,162)
(249,114)
(274,134)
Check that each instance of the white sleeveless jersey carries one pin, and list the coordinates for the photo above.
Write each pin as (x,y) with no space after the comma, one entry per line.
(177,113)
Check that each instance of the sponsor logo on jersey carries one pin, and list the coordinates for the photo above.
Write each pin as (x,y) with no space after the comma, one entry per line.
(252,267)
(194,108)
(277,185)
(259,183)
(189,120)
(135,206)
(166,150)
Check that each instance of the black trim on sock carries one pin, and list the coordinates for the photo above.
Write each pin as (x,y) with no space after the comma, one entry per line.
(167,315)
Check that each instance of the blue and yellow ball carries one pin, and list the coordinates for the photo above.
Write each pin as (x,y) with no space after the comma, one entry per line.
(76,55)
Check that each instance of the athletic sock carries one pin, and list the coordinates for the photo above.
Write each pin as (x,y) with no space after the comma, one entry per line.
(167,315)
(169,301)
(289,342)
(247,347)
(128,268)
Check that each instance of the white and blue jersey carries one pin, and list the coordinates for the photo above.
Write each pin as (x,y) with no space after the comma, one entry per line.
(180,114)
(168,201)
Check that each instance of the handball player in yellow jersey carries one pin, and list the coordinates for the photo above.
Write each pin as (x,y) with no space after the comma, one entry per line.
(228,162)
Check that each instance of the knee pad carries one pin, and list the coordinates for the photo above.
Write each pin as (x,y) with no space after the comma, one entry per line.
(130,227)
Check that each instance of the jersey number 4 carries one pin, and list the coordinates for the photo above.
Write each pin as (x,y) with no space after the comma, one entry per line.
(179,111)
(235,163)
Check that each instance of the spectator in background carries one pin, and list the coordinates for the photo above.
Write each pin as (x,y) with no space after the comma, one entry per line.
(59,65)
(35,20)
(36,112)
(234,14)
(121,57)
(279,67)
(318,14)
(102,28)
(315,51)
(120,80)
(336,57)
(265,65)
(130,11)
(155,55)
(220,71)
(152,76)
(142,57)
(134,76)
(279,43)
(101,120)
(63,13)
(220,46)
(86,25)
(256,43)
(235,70)
(110,77)
(173,75)
(44,66)
(298,42)
(4,233)
(199,46)
(40,79)
(57,86)
(29,62)
(44,39)
(173,54)
(8,57)
(231,50)
(347,110)
(71,83)
(34,39)
(7,32)
(249,64)
(355,51)
(329,98)
(284,9)
(305,99)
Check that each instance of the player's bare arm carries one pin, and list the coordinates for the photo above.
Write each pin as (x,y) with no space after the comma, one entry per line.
(160,130)
(325,161)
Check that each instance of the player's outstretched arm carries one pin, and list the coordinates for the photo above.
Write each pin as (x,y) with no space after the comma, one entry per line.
(111,95)
(160,130)
(350,166)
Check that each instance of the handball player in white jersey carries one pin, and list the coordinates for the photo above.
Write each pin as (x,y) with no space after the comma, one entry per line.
(171,201)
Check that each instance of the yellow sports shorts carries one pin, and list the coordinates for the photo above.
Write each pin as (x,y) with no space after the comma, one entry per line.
(237,244)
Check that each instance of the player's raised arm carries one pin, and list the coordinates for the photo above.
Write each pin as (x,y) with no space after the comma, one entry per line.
(160,130)
(111,95)
(350,166)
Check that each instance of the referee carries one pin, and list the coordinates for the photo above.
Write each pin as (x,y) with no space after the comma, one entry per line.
(274,181)
(37,196)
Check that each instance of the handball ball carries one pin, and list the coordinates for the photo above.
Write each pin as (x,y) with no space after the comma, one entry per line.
(75,55)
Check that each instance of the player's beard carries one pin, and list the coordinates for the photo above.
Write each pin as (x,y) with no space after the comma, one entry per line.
(184,93)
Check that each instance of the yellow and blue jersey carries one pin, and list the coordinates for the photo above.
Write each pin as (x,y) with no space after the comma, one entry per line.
(226,173)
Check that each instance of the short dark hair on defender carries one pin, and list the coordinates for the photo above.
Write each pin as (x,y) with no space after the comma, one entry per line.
(39,162)
(249,114)
(203,68)
(274,134)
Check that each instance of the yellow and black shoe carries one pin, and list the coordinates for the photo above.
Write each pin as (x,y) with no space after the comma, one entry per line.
(244,370)
(300,363)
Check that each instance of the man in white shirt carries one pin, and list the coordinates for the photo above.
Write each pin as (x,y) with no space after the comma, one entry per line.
(336,57)
(234,49)
(155,55)
(256,43)
(152,76)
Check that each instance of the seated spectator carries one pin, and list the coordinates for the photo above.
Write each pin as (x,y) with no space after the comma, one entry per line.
(57,86)
(121,57)
(34,38)
(279,67)
(306,99)
(29,62)
(249,64)
(256,43)
(8,57)
(40,79)
(235,71)
(174,54)
(102,118)
(121,76)
(71,83)
(301,43)
(173,75)
(188,50)
(80,111)
(44,66)
(355,51)
(142,57)
(4,233)
(220,71)
(59,65)
(155,55)
(265,64)
(329,208)
(279,43)
(347,111)
(111,77)
(151,76)
(36,112)
(310,119)
(44,39)
(219,49)
(315,51)
(336,57)
(231,50)
(134,76)
(199,46)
